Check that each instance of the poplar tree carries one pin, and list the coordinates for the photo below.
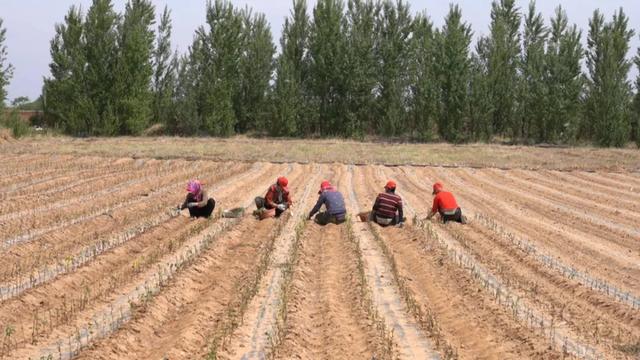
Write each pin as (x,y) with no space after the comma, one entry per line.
(533,91)
(65,93)
(256,67)
(327,59)
(503,65)
(101,51)
(6,69)
(564,81)
(361,67)
(609,91)
(424,78)
(135,68)
(392,50)
(164,72)
(221,47)
(290,115)
(480,101)
(453,70)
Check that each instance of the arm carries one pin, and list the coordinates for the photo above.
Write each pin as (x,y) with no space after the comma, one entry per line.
(287,199)
(185,203)
(205,199)
(316,208)
(434,209)
(400,212)
(268,199)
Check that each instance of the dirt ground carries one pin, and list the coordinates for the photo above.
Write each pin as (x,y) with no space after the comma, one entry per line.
(97,265)
(342,151)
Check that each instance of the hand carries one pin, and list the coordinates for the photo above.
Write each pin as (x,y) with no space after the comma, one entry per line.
(282,207)
(192,205)
(400,224)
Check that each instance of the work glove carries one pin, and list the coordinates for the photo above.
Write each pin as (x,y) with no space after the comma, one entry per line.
(282,207)
(191,205)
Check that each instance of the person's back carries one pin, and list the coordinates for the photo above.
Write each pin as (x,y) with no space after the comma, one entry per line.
(445,202)
(387,204)
(334,202)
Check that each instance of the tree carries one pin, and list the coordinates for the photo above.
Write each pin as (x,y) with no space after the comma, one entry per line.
(360,68)
(564,81)
(424,78)
(218,67)
(66,99)
(6,69)
(453,71)
(480,101)
(326,64)
(20,101)
(164,72)
(256,68)
(392,49)
(290,103)
(609,91)
(100,36)
(533,91)
(134,67)
(503,65)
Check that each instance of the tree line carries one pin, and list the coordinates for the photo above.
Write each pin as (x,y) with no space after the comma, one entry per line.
(351,68)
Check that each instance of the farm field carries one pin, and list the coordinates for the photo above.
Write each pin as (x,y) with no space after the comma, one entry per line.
(96,265)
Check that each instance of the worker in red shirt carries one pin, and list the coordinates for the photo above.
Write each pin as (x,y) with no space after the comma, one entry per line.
(446,205)
(277,200)
(387,209)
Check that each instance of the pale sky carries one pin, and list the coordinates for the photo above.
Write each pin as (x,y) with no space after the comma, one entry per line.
(30,25)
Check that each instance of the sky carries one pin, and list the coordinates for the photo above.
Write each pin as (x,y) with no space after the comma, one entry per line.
(30,25)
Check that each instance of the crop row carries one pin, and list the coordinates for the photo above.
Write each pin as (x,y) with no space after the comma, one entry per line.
(551,262)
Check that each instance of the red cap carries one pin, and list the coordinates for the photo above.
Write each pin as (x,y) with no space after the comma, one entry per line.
(324,186)
(283,182)
(391,185)
(437,187)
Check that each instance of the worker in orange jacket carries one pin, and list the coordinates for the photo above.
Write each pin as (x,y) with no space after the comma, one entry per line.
(276,201)
(445,204)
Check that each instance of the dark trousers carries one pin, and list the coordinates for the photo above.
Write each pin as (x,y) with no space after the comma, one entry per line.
(261,203)
(457,217)
(203,211)
(325,218)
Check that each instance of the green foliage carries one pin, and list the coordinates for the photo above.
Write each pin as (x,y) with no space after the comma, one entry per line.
(480,101)
(504,54)
(6,69)
(532,113)
(327,57)
(424,78)
(355,68)
(18,127)
(290,97)
(164,73)
(453,72)
(608,90)
(256,67)
(134,67)
(564,82)
(393,30)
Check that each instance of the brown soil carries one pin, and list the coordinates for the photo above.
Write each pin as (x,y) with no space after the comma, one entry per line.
(226,300)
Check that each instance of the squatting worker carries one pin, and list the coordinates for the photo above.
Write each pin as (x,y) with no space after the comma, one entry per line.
(446,205)
(197,201)
(276,201)
(387,209)
(333,201)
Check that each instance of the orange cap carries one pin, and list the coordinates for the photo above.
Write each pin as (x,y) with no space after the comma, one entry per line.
(283,182)
(391,185)
(324,186)
(437,187)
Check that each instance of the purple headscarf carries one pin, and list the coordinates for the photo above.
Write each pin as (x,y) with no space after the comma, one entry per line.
(194,187)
